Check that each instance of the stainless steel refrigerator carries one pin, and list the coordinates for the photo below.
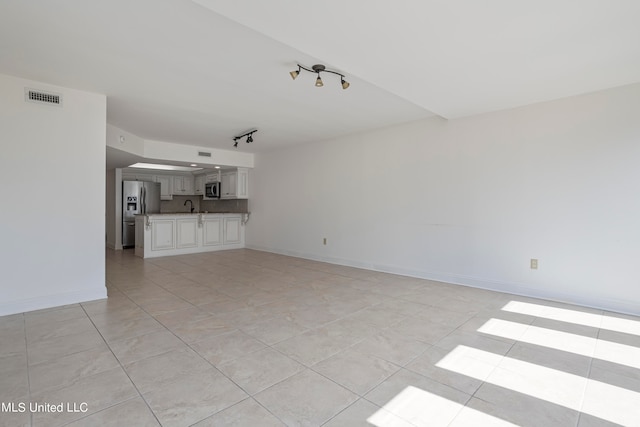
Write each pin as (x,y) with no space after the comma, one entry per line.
(138,198)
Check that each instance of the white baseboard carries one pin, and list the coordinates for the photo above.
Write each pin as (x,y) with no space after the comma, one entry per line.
(48,301)
(591,301)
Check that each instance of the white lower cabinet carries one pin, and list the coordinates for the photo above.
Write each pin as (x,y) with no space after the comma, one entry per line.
(232,230)
(165,234)
(212,231)
(187,232)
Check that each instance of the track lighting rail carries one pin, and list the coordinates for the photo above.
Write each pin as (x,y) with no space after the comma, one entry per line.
(319,68)
(249,136)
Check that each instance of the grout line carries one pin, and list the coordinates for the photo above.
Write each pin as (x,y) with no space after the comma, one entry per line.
(123,370)
(588,377)
(26,355)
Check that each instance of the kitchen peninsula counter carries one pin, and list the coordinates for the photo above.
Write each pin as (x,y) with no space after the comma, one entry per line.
(193,213)
(166,234)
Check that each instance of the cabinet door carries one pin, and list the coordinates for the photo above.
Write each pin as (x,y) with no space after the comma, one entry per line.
(166,192)
(186,233)
(183,185)
(187,185)
(228,185)
(232,230)
(242,184)
(224,185)
(212,231)
(199,185)
(162,234)
(178,187)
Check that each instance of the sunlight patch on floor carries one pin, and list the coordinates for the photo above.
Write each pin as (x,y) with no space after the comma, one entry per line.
(416,407)
(601,321)
(572,343)
(602,400)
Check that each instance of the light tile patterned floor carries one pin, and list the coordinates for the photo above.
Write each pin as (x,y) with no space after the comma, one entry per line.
(248,338)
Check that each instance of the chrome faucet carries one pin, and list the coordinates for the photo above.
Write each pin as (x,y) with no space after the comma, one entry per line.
(185,204)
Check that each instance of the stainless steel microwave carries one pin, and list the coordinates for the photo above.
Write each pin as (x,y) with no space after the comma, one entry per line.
(211,190)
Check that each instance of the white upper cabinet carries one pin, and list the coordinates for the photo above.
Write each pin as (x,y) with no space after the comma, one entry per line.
(166,186)
(235,184)
(183,185)
(228,185)
(198,183)
(212,177)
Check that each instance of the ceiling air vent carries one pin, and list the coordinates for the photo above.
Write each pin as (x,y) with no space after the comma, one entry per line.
(42,97)
(204,154)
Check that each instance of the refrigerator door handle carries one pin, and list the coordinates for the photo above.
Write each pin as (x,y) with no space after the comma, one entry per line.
(142,209)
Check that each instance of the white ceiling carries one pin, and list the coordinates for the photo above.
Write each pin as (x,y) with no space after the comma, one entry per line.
(200,72)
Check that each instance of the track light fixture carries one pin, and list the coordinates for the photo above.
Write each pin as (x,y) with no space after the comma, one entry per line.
(319,68)
(249,136)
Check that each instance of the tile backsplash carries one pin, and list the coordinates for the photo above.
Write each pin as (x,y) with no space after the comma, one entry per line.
(214,206)
(234,205)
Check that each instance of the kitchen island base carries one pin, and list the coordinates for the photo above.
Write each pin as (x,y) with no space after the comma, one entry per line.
(159,235)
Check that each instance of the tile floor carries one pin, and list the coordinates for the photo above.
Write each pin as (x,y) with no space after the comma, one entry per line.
(247,338)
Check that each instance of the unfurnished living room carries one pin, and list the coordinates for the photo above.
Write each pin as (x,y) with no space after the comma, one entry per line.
(285,213)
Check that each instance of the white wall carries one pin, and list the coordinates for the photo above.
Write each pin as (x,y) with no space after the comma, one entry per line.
(471,201)
(53,212)
(125,141)
(113,201)
(110,212)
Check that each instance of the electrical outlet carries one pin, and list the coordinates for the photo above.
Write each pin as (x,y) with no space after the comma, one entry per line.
(534,264)
(324,241)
